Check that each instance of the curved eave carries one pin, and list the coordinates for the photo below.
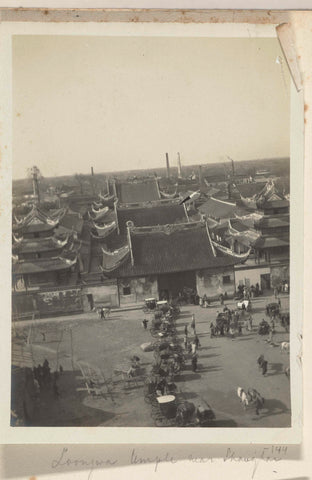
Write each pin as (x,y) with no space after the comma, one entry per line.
(112,260)
(239,257)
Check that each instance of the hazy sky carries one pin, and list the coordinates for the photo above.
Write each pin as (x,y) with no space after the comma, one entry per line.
(118,103)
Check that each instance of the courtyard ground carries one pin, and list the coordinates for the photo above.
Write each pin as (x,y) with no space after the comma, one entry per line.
(106,346)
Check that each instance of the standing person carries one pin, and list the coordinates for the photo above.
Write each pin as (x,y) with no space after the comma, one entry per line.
(279,302)
(270,337)
(264,367)
(221,297)
(102,313)
(249,327)
(144,323)
(196,341)
(258,405)
(194,362)
(193,326)
(185,330)
(212,330)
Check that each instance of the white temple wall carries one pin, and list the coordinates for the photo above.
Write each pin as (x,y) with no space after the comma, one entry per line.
(135,290)
(213,284)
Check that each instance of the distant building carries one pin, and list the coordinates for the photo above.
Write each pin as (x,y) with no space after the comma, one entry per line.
(137,191)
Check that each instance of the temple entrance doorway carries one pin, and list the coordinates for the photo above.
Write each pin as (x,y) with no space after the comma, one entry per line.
(170,284)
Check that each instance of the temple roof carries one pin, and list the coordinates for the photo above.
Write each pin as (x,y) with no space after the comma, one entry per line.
(71,222)
(238,225)
(38,220)
(249,190)
(153,215)
(220,209)
(172,248)
(104,230)
(133,192)
(38,245)
(105,201)
(220,228)
(275,204)
(111,260)
(40,265)
(98,214)
(271,242)
(273,222)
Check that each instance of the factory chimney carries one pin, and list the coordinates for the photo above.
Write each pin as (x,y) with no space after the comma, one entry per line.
(167,164)
(92,172)
(179,166)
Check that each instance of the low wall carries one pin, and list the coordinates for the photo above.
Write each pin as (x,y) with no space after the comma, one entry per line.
(104,295)
(213,284)
(250,276)
(140,288)
(51,302)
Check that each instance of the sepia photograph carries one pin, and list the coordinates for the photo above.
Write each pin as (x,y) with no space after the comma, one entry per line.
(151,232)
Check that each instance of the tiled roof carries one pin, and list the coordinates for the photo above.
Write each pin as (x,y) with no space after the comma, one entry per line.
(273,222)
(237,225)
(271,242)
(275,204)
(220,209)
(220,228)
(38,245)
(112,259)
(37,220)
(248,190)
(42,265)
(158,215)
(176,248)
(40,227)
(72,221)
(137,191)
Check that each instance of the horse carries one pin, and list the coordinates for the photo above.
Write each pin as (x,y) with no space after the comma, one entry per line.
(285,347)
(243,397)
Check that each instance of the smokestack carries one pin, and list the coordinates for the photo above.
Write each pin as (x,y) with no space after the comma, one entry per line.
(179,166)
(200,174)
(167,164)
(92,173)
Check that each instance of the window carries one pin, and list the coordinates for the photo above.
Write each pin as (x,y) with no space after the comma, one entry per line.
(226,279)
(126,291)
